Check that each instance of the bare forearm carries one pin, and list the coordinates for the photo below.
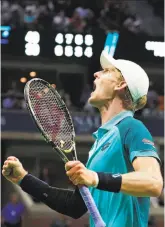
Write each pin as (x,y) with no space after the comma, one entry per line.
(141,184)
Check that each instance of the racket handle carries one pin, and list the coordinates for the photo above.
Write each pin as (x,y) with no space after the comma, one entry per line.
(90,204)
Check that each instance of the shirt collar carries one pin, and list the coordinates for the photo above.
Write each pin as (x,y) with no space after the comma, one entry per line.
(114,121)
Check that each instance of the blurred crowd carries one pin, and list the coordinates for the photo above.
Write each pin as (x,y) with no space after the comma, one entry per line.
(60,15)
(116,14)
(155,104)
(73,16)
(13,99)
(158,6)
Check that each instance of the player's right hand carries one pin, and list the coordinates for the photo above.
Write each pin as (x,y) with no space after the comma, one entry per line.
(13,170)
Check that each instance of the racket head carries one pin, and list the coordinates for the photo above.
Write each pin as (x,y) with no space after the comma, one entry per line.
(50,115)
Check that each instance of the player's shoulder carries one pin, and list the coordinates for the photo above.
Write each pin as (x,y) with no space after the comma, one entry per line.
(131,122)
(131,126)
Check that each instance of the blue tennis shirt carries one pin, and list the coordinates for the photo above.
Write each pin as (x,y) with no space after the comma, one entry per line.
(117,143)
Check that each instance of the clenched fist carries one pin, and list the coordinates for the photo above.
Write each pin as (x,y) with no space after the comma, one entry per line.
(79,174)
(13,170)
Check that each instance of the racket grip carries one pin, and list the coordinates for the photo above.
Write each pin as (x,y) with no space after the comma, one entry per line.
(90,204)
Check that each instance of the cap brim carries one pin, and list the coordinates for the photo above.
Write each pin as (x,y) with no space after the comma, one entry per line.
(106,60)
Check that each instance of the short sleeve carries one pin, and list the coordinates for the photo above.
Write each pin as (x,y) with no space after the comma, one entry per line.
(139,142)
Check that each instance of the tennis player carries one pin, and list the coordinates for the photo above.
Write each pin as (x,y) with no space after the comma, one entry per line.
(123,168)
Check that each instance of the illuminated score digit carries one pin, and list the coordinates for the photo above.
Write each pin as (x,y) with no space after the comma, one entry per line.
(78,39)
(88,40)
(58,50)
(69,38)
(59,38)
(88,52)
(32,47)
(78,52)
(68,51)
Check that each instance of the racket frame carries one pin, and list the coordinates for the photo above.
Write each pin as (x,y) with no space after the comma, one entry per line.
(59,151)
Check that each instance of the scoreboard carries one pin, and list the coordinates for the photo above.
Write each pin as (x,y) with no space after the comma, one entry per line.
(68,44)
(46,43)
(56,45)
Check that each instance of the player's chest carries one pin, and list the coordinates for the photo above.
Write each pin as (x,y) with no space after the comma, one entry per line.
(106,150)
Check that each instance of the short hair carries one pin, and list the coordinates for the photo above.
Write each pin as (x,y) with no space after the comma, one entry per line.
(127,99)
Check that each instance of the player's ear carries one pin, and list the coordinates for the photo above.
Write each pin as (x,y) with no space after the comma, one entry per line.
(120,86)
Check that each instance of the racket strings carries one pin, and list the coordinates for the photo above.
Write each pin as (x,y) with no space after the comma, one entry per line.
(52,115)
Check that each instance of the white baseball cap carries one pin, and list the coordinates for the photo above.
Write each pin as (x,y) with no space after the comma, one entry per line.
(135,77)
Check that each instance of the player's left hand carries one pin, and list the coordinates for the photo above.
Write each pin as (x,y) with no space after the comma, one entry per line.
(80,175)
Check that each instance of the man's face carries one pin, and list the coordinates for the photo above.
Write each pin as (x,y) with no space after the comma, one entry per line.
(104,87)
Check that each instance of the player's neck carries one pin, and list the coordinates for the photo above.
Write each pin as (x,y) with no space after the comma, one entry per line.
(110,110)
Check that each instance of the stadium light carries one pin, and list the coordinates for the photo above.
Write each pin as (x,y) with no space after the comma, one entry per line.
(32,74)
(23,79)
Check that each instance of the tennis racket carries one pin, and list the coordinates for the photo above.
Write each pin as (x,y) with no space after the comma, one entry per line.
(53,120)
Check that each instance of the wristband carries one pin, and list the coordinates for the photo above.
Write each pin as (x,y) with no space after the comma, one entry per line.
(96,180)
(109,182)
